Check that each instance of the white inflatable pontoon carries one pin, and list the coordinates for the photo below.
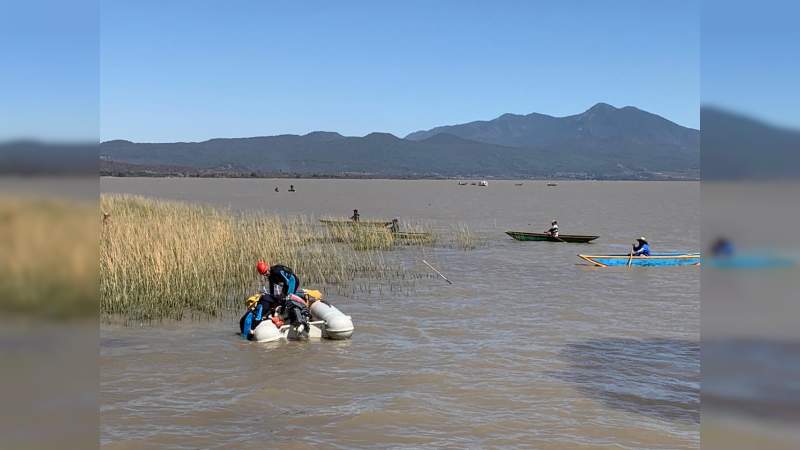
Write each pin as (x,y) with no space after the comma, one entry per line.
(328,323)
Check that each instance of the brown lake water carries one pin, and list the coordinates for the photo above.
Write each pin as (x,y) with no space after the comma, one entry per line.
(529,348)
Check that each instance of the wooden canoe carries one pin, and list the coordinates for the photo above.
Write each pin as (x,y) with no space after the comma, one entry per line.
(654,260)
(363,223)
(571,238)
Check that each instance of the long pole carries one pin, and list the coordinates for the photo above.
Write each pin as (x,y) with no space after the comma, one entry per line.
(437,272)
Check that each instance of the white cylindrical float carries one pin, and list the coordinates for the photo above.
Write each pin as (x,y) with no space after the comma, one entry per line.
(338,325)
(266,331)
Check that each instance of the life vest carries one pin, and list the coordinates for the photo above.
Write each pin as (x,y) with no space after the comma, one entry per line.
(283,277)
(250,320)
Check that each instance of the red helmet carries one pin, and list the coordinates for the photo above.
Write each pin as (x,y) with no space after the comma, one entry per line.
(262,267)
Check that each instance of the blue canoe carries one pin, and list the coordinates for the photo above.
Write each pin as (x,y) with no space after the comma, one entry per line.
(654,260)
(750,262)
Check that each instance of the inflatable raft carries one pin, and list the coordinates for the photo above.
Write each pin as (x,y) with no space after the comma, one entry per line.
(325,321)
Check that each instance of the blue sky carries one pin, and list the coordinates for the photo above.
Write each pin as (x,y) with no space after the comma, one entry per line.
(49,79)
(750,61)
(193,70)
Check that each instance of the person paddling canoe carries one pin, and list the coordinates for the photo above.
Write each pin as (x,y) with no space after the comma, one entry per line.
(723,247)
(553,230)
(641,247)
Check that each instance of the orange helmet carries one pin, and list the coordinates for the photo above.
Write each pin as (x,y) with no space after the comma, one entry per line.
(262,267)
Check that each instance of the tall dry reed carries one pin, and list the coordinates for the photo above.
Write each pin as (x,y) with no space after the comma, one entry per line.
(464,238)
(48,257)
(162,259)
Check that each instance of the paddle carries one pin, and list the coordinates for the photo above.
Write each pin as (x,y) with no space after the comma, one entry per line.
(437,272)
(630,259)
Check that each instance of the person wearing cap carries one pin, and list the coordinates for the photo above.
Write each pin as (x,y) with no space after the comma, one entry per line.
(641,247)
(553,230)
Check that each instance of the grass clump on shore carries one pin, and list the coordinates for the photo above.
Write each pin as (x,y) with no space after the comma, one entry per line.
(48,262)
(162,259)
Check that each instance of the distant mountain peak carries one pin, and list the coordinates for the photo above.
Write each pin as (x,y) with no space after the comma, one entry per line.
(601,107)
(382,136)
(323,135)
(600,121)
(507,116)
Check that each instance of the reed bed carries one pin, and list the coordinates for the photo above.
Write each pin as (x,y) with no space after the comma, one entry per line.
(361,237)
(374,237)
(464,238)
(162,259)
(48,262)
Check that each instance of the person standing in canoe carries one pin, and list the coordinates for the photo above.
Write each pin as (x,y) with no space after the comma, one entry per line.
(641,247)
(553,230)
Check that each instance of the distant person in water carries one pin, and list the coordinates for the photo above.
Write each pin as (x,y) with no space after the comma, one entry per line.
(553,230)
(276,189)
(722,247)
(641,247)
(356,216)
(291,188)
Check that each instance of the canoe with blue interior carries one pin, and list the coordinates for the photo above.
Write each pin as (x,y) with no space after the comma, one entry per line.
(750,262)
(654,260)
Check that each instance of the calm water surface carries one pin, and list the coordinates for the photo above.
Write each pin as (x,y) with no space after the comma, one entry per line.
(528,348)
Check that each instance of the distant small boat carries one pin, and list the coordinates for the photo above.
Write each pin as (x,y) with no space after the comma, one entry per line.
(552,184)
(364,223)
(462,183)
(518,184)
(483,183)
(654,260)
(571,238)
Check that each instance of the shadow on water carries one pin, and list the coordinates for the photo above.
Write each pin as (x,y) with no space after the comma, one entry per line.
(653,377)
(752,377)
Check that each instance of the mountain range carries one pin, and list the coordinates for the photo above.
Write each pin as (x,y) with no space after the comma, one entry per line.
(738,147)
(601,142)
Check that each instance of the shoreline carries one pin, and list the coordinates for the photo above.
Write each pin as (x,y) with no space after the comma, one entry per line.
(384,177)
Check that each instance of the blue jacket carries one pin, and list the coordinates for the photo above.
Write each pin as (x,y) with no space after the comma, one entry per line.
(643,250)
